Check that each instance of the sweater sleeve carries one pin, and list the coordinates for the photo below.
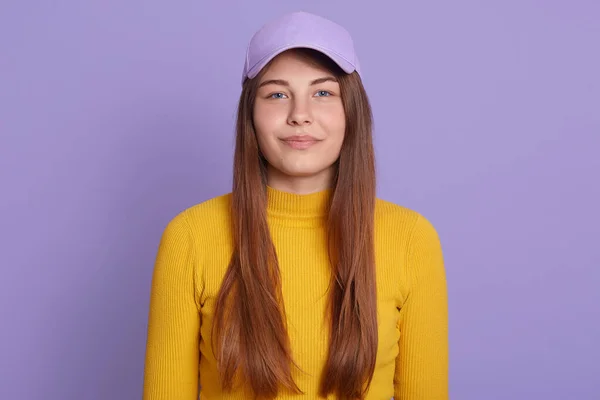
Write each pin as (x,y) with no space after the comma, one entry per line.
(172,356)
(422,363)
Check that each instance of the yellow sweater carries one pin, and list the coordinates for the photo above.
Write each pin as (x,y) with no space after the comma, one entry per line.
(194,252)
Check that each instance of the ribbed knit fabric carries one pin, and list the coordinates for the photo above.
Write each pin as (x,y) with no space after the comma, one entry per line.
(194,252)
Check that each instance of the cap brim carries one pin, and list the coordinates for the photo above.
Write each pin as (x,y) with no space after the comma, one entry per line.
(344,64)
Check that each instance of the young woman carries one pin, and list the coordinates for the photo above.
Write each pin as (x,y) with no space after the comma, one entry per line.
(300,283)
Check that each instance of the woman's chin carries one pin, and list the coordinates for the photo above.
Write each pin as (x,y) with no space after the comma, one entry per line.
(303,172)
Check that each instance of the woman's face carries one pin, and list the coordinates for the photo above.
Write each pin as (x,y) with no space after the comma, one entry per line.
(299,120)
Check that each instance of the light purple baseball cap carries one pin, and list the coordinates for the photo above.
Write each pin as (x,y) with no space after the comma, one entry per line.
(300,30)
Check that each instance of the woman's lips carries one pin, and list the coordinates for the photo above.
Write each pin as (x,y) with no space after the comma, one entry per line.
(300,142)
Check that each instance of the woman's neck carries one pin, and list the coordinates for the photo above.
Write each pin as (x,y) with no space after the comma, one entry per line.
(300,184)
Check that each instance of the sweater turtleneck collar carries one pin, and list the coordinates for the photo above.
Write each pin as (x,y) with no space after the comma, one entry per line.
(298,206)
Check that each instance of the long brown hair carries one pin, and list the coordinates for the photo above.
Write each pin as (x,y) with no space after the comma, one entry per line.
(251,337)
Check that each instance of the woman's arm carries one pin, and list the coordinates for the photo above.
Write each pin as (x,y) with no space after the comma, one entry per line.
(422,365)
(171,368)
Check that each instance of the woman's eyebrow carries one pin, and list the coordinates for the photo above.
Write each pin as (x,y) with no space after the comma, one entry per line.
(283,82)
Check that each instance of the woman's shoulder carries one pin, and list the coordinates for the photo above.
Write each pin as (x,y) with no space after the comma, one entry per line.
(387,210)
(211,215)
(213,207)
(396,217)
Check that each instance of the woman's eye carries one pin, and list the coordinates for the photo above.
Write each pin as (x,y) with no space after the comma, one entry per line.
(323,93)
(277,96)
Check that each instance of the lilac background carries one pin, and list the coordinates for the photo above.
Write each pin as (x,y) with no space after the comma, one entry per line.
(116,115)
